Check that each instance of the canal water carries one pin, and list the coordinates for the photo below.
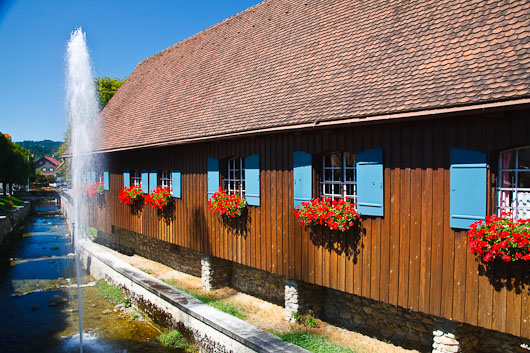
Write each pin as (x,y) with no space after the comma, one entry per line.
(38,298)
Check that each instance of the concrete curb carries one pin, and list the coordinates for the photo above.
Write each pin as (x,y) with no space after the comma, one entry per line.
(213,328)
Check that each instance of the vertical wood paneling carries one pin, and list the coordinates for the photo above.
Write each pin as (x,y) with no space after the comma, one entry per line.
(409,257)
(449,239)
(415,218)
(404,222)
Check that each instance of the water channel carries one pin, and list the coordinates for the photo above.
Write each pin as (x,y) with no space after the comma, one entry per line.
(38,298)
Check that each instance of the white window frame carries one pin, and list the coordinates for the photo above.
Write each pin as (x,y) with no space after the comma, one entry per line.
(136,178)
(516,191)
(344,194)
(232,182)
(99,177)
(165,180)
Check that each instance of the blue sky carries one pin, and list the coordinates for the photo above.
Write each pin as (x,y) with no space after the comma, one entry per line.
(120,33)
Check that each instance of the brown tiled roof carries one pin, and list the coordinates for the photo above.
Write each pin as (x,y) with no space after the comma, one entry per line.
(285,62)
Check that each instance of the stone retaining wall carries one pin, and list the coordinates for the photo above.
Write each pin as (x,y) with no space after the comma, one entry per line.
(211,329)
(11,221)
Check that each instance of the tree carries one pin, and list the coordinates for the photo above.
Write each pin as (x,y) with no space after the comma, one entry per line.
(16,164)
(106,88)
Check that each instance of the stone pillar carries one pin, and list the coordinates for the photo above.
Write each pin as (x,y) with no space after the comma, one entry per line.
(301,297)
(215,272)
(445,342)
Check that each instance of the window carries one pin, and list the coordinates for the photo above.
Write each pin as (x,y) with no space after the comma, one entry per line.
(99,177)
(164,179)
(136,178)
(51,169)
(43,169)
(513,182)
(339,179)
(235,176)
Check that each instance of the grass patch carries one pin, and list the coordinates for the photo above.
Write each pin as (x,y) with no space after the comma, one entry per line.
(111,293)
(146,270)
(173,339)
(220,304)
(313,342)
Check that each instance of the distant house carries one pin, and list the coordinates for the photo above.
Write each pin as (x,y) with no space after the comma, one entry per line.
(47,165)
(418,112)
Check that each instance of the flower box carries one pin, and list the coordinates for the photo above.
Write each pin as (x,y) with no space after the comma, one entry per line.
(500,237)
(131,195)
(159,198)
(338,215)
(95,189)
(227,205)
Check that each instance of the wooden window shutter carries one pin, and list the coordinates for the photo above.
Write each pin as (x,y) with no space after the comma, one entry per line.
(302,177)
(126,178)
(468,187)
(145,182)
(92,179)
(252,183)
(152,180)
(106,181)
(175,182)
(213,176)
(370,189)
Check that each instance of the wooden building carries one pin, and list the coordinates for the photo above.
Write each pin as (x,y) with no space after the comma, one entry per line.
(418,112)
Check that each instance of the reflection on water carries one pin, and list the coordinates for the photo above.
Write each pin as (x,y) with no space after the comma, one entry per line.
(38,300)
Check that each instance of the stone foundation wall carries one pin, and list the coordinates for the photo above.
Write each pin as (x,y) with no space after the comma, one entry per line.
(412,329)
(259,283)
(127,242)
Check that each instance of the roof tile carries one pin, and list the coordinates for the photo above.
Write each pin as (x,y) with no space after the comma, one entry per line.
(285,62)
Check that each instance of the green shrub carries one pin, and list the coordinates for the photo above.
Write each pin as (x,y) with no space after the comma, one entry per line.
(173,339)
(308,319)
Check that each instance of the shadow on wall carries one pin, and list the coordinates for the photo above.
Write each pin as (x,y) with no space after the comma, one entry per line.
(167,213)
(347,243)
(508,275)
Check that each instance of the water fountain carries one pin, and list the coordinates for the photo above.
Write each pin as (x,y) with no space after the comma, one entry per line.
(83,111)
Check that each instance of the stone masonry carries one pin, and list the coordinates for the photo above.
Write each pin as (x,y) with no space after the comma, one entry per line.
(445,342)
(215,272)
(300,297)
(259,283)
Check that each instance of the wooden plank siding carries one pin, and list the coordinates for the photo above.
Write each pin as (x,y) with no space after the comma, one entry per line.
(411,257)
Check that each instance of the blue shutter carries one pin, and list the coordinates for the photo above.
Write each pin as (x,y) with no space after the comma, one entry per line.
(252,179)
(152,180)
(145,182)
(370,191)
(175,181)
(126,179)
(106,183)
(92,178)
(468,187)
(302,177)
(213,176)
